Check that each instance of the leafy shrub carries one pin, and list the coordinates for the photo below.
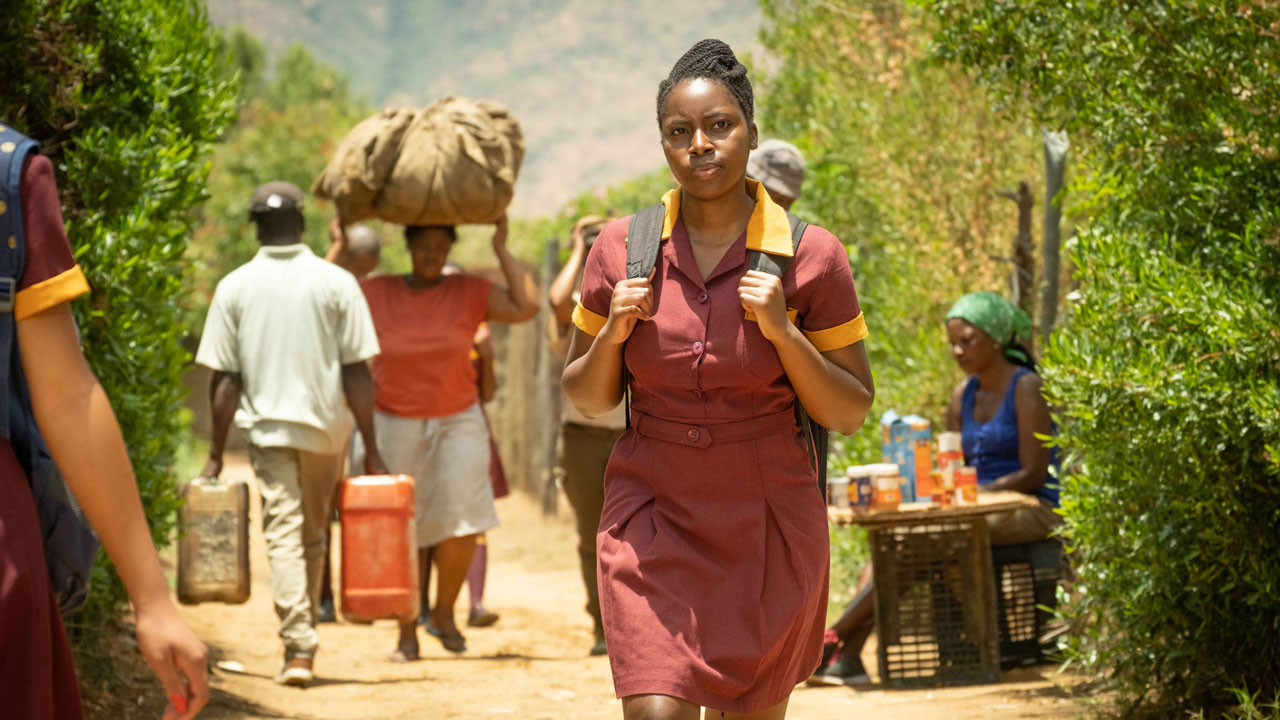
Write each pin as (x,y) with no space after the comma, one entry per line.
(126,99)
(905,164)
(1169,369)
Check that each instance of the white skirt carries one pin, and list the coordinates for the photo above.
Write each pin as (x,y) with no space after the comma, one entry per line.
(448,459)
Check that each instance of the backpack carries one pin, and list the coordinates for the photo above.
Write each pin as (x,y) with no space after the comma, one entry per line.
(644,236)
(69,543)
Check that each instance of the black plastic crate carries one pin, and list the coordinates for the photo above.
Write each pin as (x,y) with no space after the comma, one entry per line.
(934,604)
(1026,579)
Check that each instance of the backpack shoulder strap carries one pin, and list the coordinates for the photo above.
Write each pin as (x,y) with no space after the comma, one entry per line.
(777,265)
(14,148)
(644,235)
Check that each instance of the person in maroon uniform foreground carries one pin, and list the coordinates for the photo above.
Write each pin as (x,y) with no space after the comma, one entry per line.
(37,677)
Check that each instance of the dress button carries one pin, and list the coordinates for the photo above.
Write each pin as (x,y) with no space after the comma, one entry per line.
(693,435)
(703,297)
(697,348)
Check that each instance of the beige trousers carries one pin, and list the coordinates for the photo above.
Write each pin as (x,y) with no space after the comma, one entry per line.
(296,488)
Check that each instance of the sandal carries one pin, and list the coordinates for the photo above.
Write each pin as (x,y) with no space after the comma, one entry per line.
(454,642)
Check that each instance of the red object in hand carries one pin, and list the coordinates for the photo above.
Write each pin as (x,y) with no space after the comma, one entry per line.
(379,548)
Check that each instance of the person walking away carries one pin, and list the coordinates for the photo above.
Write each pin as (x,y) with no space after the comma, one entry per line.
(288,337)
(585,442)
(358,251)
(713,547)
(428,417)
(73,414)
(780,167)
(1000,411)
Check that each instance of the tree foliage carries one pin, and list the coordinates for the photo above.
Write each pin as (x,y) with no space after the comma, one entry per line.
(126,98)
(292,112)
(1169,367)
(906,162)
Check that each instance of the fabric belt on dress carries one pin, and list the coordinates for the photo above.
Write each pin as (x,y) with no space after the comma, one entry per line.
(702,436)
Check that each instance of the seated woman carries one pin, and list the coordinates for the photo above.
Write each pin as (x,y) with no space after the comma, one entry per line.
(999,409)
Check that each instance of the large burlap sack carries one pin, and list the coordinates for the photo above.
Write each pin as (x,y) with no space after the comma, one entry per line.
(452,163)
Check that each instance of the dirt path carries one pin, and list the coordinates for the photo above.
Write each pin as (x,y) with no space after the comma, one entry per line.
(532,664)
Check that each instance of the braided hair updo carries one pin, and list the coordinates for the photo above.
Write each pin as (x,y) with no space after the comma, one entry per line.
(713,60)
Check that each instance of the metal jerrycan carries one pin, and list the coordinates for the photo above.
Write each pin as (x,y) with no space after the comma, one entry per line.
(213,545)
(379,548)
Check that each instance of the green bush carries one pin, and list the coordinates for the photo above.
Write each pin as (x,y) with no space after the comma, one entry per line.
(906,162)
(1168,370)
(126,100)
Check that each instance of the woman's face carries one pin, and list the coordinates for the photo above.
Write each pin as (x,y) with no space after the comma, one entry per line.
(972,348)
(706,138)
(429,251)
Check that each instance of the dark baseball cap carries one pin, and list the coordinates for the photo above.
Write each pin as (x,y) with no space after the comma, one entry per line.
(275,196)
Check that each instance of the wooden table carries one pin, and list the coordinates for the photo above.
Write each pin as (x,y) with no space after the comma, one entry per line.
(935,593)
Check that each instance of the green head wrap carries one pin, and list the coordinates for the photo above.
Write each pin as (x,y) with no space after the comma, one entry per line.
(997,317)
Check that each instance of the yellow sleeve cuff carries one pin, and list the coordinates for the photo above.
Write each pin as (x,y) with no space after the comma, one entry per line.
(587,321)
(63,287)
(840,335)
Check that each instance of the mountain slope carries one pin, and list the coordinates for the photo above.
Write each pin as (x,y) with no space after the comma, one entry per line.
(580,75)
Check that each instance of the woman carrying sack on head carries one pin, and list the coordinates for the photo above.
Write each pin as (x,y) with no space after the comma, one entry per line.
(713,547)
(427,414)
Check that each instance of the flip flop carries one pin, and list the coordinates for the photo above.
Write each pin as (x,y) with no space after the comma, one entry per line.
(400,656)
(453,642)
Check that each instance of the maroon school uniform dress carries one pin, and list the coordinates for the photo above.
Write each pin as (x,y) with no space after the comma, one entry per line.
(713,546)
(37,676)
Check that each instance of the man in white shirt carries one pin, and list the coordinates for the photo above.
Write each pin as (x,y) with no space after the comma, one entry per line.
(288,337)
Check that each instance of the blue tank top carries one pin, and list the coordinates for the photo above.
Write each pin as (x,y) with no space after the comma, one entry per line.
(992,447)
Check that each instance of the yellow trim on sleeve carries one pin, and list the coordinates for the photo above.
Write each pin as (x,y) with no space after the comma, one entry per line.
(587,321)
(839,336)
(63,287)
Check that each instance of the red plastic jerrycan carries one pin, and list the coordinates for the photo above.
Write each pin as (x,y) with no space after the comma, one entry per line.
(379,548)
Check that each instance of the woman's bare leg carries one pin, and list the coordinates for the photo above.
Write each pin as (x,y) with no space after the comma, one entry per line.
(658,707)
(407,646)
(452,559)
(777,712)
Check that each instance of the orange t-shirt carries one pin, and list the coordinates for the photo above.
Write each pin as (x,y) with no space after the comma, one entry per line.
(425,369)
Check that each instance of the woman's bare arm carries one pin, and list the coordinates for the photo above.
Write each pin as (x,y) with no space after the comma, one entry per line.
(593,372)
(80,428)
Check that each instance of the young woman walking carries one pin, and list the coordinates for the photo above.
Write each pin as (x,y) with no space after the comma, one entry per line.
(713,540)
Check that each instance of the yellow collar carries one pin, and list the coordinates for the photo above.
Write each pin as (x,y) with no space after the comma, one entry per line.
(768,230)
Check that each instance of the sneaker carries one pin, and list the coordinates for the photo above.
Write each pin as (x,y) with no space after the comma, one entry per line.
(325,613)
(481,617)
(843,669)
(296,672)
